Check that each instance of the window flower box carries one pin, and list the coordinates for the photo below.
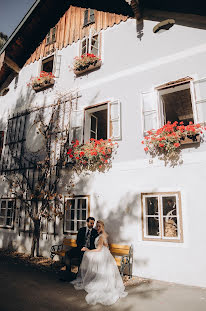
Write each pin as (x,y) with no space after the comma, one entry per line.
(94,155)
(167,140)
(86,63)
(42,82)
(195,139)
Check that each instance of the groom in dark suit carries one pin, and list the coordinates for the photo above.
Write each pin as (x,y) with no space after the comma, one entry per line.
(85,238)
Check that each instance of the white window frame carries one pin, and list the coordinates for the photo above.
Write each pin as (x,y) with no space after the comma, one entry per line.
(161,237)
(88,40)
(56,63)
(44,61)
(169,90)
(7,200)
(157,110)
(76,198)
(107,105)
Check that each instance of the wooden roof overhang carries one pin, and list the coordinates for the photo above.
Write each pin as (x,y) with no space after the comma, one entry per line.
(43,15)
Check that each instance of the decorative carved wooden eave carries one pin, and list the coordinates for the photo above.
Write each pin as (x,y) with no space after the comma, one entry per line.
(136,7)
(70,29)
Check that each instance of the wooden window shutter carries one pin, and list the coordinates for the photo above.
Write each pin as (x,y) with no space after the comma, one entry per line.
(114,119)
(86,13)
(76,126)
(149,110)
(91,16)
(198,93)
(56,64)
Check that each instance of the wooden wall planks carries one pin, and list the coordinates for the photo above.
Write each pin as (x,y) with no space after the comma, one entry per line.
(70,29)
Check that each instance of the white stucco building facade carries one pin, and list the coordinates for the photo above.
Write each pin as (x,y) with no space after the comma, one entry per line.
(130,69)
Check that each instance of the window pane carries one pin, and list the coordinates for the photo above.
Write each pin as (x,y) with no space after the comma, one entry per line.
(169,206)
(79,214)
(84,215)
(9,213)
(72,214)
(170,226)
(3,209)
(94,45)
(84,203)
(10,204)
(9,221)
(1,221)
(85,46)
(70,204)
(151,206)
(93,123)
(84,50)
(79,204)
(72,225)
(152,226)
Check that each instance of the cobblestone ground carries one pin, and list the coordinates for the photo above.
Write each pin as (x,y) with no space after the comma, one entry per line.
(33,284)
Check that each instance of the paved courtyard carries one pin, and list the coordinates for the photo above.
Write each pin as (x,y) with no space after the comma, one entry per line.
(24,287)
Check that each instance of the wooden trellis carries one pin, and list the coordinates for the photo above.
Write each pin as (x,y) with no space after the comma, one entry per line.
(16,158)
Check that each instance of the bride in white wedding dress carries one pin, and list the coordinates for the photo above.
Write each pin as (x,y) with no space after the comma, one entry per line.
(98,274)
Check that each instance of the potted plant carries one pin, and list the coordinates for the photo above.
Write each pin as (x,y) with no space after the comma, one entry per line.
(170,137)
(85,63)
(93,155)
(42,82)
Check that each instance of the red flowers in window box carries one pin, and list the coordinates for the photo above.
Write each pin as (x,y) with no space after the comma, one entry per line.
(171,136)
(86,62)
(43,81)
(93,155)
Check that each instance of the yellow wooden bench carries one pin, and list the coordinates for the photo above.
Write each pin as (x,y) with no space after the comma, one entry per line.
(123,254)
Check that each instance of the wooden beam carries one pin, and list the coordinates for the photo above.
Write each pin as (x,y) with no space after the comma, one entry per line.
(11,64)
(136,7)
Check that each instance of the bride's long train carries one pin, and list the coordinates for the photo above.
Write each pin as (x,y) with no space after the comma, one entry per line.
(100,278)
